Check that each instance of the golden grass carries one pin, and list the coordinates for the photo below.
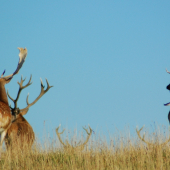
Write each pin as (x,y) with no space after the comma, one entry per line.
(121,153)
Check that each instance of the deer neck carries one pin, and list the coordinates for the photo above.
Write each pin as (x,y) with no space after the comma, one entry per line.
(3,95)
(19,118)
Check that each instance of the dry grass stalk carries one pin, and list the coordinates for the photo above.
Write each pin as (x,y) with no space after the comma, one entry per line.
(124,154)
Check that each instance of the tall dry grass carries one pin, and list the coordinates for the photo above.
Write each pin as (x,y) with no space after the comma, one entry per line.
(120,152)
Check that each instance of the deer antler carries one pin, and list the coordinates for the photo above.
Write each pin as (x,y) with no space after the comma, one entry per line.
(77,147)
(142,138)
(58,134)
(21,87)
(22,57)
(40,95)
(148,143)
(88,134)
(167,71)
(16,110)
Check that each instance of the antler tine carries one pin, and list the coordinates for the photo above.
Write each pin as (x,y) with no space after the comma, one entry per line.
(42,86)
(21,87)
(40,95)
(10,96)
(167,71)
(142,138)
(165,142)
(27,99)
(22,57)
(81,147)
(88,133)
(22,80)
(58,134)
(87,130)
(48,86)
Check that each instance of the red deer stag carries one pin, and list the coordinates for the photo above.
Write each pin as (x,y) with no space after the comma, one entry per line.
(20,134)
(78,147)
(5,112)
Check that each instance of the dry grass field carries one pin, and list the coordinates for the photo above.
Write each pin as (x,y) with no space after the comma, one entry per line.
(121,152)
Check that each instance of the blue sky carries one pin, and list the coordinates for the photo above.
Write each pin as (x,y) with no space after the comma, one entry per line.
(105,59)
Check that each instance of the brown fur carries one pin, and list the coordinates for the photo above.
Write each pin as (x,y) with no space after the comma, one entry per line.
(5,112)
(20,134)
(5,116)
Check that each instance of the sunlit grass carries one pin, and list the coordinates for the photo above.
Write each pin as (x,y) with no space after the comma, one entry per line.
(120,152)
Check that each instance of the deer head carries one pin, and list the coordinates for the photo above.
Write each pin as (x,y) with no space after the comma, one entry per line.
(20,134)
(16,111)
(78,147)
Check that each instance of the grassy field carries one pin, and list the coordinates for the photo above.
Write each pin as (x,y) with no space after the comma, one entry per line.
(120,152)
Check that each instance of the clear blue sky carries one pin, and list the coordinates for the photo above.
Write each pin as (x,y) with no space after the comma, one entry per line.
(105,59)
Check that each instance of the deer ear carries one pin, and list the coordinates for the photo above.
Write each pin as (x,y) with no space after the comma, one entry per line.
(24,111)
